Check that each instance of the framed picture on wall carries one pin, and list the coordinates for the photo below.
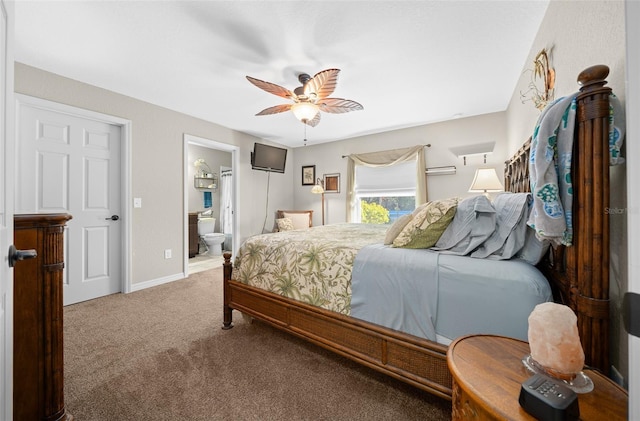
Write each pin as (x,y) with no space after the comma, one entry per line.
(308,175)
(332,183)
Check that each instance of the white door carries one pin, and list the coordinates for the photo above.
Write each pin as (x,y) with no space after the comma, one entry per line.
(69,163)
(7,142)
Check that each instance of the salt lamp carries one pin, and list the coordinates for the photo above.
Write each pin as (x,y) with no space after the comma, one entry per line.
(554,340)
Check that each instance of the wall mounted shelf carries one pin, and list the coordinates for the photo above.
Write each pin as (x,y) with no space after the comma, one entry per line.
(205,182)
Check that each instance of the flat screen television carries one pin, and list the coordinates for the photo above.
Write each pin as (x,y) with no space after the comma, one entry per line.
(268,158)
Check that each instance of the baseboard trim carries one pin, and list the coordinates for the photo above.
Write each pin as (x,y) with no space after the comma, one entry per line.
(155,282)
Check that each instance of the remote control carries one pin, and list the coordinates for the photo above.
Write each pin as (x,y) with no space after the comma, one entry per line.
(548,399)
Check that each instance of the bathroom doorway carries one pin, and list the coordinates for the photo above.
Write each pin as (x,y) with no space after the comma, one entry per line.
(210,187)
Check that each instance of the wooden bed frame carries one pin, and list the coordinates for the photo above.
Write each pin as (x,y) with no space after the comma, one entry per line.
(579,274)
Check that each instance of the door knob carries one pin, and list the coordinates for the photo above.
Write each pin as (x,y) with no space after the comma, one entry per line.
(113,218)
(16,255)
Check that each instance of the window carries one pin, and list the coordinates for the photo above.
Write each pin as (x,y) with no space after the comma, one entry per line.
(385,193)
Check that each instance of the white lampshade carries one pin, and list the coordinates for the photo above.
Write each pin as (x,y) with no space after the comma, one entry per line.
(317,189)
(485,181)
(304,111)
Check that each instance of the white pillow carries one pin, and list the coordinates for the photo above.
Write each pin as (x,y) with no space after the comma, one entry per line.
(299,220)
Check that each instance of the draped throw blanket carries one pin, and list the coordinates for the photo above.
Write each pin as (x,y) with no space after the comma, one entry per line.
(550,171)
(617,123)
(550,166)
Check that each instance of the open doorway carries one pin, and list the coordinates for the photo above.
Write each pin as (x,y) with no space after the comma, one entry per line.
(210,186)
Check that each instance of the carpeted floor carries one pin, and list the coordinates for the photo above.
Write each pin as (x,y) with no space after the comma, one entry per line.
(160,354)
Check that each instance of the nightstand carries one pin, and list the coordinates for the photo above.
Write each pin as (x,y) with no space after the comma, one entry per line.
(487,372)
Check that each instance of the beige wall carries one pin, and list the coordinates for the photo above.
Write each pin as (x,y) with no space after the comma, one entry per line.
(328,159)
(579,34)
(157,166)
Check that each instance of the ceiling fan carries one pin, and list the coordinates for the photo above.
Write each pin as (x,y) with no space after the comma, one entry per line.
(310,98)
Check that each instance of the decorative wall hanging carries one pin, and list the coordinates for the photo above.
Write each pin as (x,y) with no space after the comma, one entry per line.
(308,175)
(332,183)
(543,80)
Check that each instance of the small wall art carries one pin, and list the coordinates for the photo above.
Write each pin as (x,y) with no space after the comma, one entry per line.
(332,183)
(543,80)
(308,175)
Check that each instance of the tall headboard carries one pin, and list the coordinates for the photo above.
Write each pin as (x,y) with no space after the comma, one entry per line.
(579,274)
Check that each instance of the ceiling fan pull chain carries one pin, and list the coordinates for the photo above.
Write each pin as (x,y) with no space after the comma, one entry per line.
(305,135)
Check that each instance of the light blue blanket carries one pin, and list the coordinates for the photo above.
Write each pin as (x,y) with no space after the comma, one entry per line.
(396,288)
(443,296)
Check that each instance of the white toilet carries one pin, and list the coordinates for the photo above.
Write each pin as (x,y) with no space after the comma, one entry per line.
(213,240)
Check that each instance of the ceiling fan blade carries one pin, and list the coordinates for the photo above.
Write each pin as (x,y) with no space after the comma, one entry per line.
(314,121)
(338,105)
(272,88)
(275,109)
(322,84)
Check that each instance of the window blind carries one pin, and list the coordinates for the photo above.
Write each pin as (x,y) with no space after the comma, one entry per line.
(395,180)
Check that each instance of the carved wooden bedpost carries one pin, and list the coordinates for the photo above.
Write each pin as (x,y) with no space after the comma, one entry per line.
(227,311)
(590,298)
(579,275)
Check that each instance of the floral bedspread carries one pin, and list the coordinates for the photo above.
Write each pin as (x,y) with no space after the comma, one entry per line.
(310,265)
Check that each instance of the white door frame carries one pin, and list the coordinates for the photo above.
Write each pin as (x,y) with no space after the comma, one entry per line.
(235,163)
(7,160)
(632,14)
(125,168)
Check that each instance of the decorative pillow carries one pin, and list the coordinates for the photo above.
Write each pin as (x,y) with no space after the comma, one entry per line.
(419,208)
(427,225)
(512,210)
(299,220)
(284,224)
(396,228)
(473,223)
(533,250)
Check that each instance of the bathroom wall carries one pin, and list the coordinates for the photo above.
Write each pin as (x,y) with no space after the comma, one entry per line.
(214,159)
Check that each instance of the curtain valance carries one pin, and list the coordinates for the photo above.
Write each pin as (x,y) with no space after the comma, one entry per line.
(385,159)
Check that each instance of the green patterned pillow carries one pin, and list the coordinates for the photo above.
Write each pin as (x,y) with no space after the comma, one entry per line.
(427,225)
(284,224)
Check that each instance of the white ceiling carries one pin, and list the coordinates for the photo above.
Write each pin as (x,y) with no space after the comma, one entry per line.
(407,62)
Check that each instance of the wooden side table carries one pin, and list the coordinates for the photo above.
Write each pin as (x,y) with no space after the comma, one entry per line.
(487,372)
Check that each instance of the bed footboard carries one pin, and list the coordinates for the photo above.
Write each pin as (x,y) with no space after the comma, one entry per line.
(416,361)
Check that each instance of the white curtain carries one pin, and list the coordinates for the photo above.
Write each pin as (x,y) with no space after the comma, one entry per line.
(385,159)
(226,204)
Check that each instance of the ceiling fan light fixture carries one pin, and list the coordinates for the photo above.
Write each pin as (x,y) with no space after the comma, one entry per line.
(304,111)
(310,98)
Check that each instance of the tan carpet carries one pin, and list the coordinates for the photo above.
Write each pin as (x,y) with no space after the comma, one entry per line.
(160,354)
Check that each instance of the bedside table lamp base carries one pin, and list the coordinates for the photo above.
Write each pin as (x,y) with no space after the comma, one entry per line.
(581,383)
